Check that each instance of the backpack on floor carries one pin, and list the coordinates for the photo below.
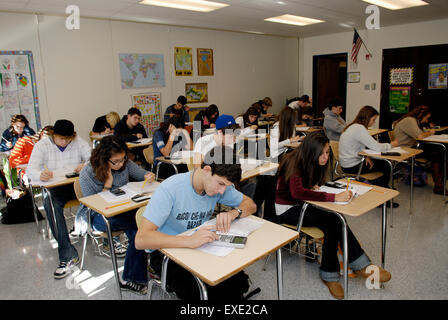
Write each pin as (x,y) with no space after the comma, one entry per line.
(19,207)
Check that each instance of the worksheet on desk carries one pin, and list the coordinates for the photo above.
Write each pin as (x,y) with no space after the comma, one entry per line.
(58,176)
(131,189)
(438,137)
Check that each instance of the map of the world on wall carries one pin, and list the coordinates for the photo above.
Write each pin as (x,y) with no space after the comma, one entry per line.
(141,70)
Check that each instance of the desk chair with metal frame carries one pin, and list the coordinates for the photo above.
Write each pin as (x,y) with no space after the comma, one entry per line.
(91,232)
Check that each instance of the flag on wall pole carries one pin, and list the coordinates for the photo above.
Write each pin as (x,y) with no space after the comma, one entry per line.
(356,45)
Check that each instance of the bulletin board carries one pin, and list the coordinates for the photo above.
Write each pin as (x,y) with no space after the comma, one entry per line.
(18,91)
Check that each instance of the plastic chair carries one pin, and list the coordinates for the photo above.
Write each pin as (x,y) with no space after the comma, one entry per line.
(148,153)
(95,235)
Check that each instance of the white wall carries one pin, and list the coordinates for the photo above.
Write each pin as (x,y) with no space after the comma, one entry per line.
(409,35)
(78,76)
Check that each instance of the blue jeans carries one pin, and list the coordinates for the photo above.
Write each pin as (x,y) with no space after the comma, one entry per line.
(136,261)
(60,196)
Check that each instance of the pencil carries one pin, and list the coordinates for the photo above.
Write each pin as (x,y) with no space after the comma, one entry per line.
(119,204)
(240,149)
(5,139)
(146,180)
(348,183)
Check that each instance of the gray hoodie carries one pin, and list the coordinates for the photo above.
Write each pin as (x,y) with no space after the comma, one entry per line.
(333,124)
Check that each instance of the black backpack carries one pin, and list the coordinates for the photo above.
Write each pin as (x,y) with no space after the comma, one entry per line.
(19,210)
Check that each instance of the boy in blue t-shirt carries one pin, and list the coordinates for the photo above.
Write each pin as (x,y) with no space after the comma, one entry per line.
(186,201)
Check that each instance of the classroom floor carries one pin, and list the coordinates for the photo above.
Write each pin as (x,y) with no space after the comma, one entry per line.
(416,255)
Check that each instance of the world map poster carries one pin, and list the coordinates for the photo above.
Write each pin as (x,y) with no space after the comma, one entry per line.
(149,105)
(141,70)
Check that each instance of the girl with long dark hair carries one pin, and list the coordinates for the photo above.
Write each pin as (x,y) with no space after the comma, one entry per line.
(301,174)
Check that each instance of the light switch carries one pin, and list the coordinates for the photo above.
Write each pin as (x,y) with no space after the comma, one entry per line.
(367,87)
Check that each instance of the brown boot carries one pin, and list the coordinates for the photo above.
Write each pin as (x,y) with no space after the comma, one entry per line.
(437,176)
(384,274)
(335,289)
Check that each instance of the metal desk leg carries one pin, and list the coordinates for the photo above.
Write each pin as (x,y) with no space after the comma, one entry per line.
(344,252)
(412,184)
(164,271)
(33,203)
(383,234)
(112,254)
(391,183)
(279,274)
(52,214)
(202,289)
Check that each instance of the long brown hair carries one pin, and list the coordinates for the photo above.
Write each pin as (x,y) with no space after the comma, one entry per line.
(287,123)
(17,118)
(418,113)
(364,115)
(304,161)
(102,153)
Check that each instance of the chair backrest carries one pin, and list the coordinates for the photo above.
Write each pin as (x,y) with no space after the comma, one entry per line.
(139,215)
(335,167)
(391,135)
(149,155)
(77,187)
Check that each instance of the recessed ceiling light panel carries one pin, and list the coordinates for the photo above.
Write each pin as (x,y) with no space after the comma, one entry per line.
(295,20)
(193,5)
(397,4)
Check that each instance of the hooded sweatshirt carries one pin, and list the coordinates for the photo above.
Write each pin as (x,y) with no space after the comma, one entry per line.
(333,124)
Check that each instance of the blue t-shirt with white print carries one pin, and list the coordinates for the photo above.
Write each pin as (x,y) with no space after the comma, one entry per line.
(175,207)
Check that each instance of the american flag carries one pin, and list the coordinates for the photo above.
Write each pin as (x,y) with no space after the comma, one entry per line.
(356,45)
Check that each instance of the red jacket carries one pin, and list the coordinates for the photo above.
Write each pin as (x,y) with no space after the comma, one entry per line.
(294,192)
(21,152)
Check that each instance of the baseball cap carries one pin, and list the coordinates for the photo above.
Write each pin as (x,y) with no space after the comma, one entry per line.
(224,121)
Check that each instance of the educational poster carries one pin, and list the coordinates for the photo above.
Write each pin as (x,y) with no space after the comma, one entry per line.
(141,70)
(18,91)
(399,99)
(400,76)
(183,61)
(196,92)
(205,62)
(149,105)
(437,76)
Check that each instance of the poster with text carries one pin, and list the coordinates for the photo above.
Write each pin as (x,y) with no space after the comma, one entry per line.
(183,61)
(205,62)
(437,76)
(399,99)
(149,105)
(400,76)
(18,91)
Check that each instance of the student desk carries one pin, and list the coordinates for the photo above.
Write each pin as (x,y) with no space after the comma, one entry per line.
(139,143)
(441,141)
(98,204)
(213,270)
(173,162)
(376,132)
(411,153)
(95,139)
(266,167)
(267,123)
(357,207)
(45,190)
(307,130)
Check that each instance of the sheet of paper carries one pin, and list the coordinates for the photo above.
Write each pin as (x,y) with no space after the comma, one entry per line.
(219,251)
(302,128)
(438,137)
(335,191)
(249,164)
(136,186)
(357,188)
(58,176)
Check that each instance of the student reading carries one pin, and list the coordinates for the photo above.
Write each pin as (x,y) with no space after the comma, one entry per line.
(301,174)
(185,201)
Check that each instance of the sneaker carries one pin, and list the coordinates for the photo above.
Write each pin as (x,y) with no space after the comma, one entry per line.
(134,287)
(65,268)
(120,250)
(384,274)
(335,289)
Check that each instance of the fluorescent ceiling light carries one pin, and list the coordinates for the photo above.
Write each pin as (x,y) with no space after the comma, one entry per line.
(295,20)
(194,5)
(397,4)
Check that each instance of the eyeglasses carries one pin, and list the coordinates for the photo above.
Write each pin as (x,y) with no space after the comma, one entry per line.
(116,162)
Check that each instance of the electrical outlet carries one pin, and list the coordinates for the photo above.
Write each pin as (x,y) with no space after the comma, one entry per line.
(373,86)
(367,87)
